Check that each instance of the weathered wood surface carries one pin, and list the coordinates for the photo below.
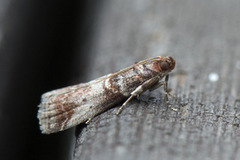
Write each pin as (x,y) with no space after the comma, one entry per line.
(203,37)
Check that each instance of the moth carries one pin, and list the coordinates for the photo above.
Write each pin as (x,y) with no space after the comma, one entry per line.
(67,107)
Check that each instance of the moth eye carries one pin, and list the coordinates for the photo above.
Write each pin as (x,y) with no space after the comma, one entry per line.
(164,66)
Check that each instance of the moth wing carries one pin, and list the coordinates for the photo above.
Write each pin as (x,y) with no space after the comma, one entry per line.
(64,108)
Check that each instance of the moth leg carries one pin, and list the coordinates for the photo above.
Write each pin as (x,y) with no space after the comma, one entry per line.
(157,85)
(140,89)
(88,121)
(166,93)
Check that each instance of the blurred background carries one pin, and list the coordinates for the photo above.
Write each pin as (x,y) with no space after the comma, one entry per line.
(40,44)
(49,45)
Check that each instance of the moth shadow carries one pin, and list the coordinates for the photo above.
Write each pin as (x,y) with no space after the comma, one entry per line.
(79,128)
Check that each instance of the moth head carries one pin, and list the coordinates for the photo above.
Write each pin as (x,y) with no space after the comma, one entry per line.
(167,64)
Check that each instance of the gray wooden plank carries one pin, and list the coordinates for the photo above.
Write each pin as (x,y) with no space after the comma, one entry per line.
(203,37)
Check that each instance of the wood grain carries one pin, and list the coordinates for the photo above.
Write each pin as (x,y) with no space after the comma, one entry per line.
(203,37)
